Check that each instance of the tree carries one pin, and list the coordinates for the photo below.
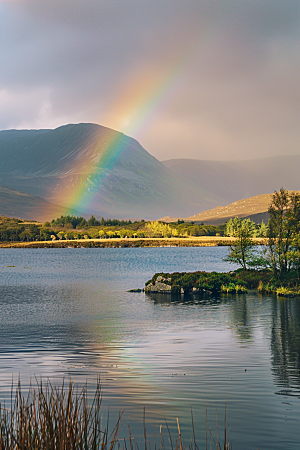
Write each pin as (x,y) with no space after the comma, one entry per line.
(92,222)
(242,248)
(263,229)
(283,227)
(232,225)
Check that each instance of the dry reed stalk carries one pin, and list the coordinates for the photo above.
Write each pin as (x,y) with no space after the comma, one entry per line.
(53,418)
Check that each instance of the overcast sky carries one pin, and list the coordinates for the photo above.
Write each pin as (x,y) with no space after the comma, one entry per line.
(206,79)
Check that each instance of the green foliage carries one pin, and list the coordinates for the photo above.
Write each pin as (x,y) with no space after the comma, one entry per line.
(242,248)
(232,226)
(285,292)
(212,281)
(200,281)
(231,287)
(158,229)
(265,287)
(14,230)
(262,230)
(282,252)
(67,221)
(81,222)
(239,282)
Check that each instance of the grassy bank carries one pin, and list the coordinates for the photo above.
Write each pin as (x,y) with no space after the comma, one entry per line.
(203,241)
(61,418)
(238,281)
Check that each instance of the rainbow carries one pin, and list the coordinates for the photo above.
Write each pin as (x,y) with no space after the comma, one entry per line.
(82,196)
(132,110)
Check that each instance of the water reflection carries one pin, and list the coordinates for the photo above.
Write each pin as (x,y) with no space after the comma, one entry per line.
(186,299)
(241,317)
(240,314)
(285,344)
(71,315)
(244,314)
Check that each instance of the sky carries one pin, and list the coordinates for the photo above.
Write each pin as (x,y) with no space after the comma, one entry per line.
(205,79)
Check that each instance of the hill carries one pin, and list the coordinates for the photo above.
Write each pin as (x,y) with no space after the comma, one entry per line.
(254,208)
(234,180)
(96,170)
(24,206)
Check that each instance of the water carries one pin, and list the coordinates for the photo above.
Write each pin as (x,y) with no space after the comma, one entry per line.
(66,312)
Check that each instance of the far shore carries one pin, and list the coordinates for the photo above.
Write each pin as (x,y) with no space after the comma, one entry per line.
(201,241)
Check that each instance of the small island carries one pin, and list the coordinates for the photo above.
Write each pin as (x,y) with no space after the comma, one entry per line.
(270,268)
(211,283)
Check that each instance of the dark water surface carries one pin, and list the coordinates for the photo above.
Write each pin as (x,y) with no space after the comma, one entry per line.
(66,312)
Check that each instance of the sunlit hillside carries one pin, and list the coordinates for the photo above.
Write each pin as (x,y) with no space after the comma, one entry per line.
(254,207)
(25,206)
(96,170)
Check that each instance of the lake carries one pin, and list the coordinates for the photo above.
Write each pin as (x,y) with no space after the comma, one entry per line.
(66,313)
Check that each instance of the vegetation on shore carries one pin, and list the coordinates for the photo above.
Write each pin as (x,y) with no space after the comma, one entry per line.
(121,243)
(274,268)
(74,228)
(61,418)
(239,281)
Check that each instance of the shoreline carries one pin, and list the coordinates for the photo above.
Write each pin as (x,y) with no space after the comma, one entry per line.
(202,241)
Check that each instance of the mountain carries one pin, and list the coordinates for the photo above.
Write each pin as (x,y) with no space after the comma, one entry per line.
(24,206)
(234,180)
(254,208)
(96,170)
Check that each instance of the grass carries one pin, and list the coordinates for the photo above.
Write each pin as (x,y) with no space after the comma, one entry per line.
(191,241)
(231,287)
(61,418)
(238,281)
(286,292)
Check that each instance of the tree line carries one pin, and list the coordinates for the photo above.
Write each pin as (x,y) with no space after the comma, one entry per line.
(73,227)
(281,250)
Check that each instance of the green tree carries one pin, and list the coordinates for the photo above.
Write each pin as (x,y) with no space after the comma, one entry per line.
(158,229)
(92,222)
(241,250)
(232,226)
(283,227)
(263,229)
(45,234)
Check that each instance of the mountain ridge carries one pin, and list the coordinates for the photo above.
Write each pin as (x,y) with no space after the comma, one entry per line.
(240,179)
(19,205)
(97,170)
(254,208)
(56,164)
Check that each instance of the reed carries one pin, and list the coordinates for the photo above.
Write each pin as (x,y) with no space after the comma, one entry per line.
(61,418)
(231,287)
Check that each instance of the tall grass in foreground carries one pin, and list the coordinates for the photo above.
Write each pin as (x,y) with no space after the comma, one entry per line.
(60,418)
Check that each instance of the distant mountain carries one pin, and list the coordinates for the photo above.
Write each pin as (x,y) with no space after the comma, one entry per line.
(124,181)
(24,206)
(254,208)
(96,170)
(234,180)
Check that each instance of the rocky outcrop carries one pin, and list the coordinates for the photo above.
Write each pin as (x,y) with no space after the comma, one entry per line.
(160,286)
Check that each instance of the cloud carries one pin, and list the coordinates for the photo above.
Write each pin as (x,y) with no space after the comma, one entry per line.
(204,78)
